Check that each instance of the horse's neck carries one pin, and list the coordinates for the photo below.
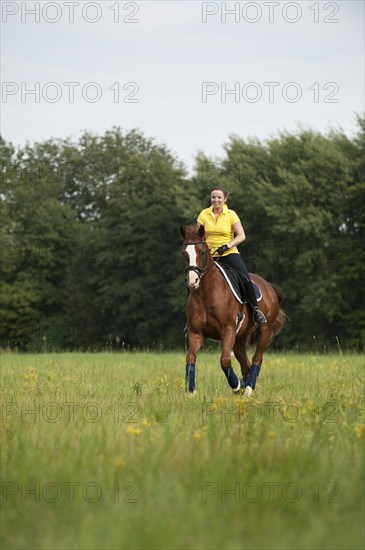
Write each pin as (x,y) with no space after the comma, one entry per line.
(211,282)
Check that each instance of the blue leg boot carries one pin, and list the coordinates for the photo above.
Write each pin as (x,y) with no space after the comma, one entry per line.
(190,378)
(232,379)
(250,380)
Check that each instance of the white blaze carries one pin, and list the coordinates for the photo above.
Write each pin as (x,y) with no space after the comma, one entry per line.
(193,279)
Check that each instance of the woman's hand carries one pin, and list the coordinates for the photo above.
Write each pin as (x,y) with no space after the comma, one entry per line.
(222,249)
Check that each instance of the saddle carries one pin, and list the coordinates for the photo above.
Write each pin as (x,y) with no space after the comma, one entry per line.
(236,285)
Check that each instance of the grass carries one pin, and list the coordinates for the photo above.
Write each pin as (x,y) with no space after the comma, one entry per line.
(105,451)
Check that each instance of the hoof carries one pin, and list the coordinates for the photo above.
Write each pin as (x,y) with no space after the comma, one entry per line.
(191,393)
(248,391)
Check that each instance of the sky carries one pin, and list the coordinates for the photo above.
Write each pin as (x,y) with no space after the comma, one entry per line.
(187,74)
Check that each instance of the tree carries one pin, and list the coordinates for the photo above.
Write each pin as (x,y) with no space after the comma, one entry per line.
(140,243)
(37,229)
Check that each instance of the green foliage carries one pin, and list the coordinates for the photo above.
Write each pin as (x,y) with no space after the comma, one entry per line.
(91,249)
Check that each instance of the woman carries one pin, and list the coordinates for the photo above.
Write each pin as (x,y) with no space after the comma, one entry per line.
(224,232)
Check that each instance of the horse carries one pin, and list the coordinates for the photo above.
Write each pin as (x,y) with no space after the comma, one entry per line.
(212,311)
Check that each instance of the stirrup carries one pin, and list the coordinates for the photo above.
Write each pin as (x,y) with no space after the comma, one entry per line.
(258,316)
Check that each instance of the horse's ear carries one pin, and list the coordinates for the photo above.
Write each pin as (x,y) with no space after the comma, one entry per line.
(201,231)
(182,232)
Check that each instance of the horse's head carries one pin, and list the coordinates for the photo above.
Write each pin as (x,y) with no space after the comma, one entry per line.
(195,254)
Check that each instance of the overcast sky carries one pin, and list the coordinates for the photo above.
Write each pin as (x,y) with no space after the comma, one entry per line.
(188,74)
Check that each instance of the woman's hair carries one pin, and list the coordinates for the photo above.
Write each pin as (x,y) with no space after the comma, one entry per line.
(219,188)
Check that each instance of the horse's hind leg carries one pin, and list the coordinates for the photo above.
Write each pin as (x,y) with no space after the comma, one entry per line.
(264,335)
(196,340)
(240,354)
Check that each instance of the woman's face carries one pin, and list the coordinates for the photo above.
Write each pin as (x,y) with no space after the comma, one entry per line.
(217,198)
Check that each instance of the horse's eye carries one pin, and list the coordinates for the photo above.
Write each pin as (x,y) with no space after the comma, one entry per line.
(203,252)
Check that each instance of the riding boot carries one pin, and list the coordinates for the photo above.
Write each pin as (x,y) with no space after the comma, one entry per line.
(258,316)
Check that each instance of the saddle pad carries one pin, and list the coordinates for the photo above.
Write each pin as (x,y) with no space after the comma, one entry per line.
(232,283)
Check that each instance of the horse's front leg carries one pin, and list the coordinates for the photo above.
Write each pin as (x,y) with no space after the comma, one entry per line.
(196,340)
(228,340)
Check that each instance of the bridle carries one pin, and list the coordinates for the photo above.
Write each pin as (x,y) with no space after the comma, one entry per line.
(200,271)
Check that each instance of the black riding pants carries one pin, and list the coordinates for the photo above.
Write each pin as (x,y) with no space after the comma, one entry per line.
(235,261)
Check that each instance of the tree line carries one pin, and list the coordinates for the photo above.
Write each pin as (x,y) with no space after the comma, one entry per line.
(90,245)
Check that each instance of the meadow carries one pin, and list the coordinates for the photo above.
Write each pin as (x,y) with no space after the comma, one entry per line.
(106,451)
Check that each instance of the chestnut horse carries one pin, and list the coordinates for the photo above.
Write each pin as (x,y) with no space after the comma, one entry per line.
(212,311)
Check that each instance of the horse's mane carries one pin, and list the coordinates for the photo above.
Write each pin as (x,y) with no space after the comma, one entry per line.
(191,233)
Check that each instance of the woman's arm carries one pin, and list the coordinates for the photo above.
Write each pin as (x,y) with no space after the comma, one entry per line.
(240,235)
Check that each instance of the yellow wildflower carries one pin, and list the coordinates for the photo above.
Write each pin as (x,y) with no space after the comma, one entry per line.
(219,400)
(121,463)
(32,375)
(359,431)
(133,430)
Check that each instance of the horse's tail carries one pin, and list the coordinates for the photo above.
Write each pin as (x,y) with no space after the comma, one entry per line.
(281,317)
(278,292)
(278,324)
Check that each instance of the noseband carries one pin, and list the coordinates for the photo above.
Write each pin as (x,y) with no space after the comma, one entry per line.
(200,271)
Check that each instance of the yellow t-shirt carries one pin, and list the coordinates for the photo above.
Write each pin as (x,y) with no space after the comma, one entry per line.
(219,232)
